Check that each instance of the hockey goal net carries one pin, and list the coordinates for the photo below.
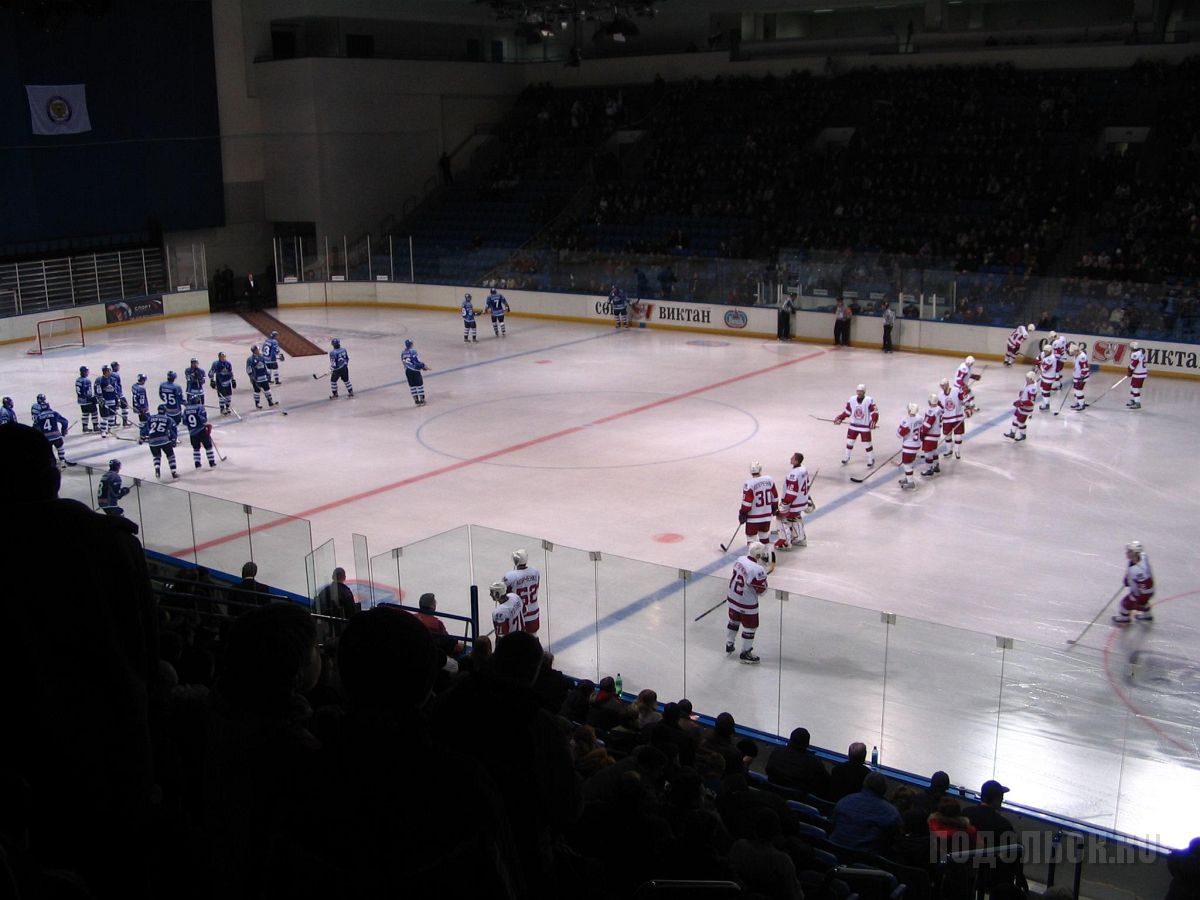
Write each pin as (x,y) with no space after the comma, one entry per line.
(54,334)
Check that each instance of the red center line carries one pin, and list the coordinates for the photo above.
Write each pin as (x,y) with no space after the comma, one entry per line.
(494,454)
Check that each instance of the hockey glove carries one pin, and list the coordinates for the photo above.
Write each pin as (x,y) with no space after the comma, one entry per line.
(233,384)
(810,506)
(124,491)
(212,383)
(743,516)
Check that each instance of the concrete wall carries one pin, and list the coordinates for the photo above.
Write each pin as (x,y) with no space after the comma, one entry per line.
(24,328)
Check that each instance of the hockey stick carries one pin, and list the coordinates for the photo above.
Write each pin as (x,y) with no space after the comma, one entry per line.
(1096,617)
(220,455)
(122,438)
(724,548)
(1066,394)
(876,470)
(709,610)
(819,419)
(1109,391)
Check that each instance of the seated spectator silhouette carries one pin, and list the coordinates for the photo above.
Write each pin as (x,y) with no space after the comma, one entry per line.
(667,731)
(995,830)
(79,664)
(551,686)
(629,813)
(797,767)
(249,592)
(260,755)
(721,740)
(1184,866)
(865,820)
(760,867)
(336,599)
(927,800)
(388,664)
(437,628)
(951,830)
(575,704)
(847,777)
(606,710)
(646,707)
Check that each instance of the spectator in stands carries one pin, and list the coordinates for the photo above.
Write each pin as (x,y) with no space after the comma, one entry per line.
(847,777)
(1047,322)
(796,766)
(649,763)
(587,753)
(721,740)
(760,867)
(77,669)
(260,756)
(606,710)
(388,664)
(994,829)
(952,830)
(249,592)
(668,732)
(927,800)
(575,706)
(1184,866)
(865,820)
(551,686)
(336,599)
(646,707)
(427,605)
(687,721)
(628,812)
(841,324)
(494,717)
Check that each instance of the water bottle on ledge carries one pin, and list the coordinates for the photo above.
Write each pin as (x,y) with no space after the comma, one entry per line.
(620,685)
(874,750)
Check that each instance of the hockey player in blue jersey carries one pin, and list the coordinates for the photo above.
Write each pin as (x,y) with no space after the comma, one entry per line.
(109,495)
(220,378)
(497,305)
(141,400)
(339,367)
(619,304)
(52,426)
(170,395)
(86,399)
(260,377)
(468,317)
(273,354)
(413,367)
(122,403)
(160,432)
(7,413)
(106,401)
(194,378)
(39,404)
(195,419)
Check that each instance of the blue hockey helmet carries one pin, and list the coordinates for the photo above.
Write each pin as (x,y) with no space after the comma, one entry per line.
(336,343)
(171,376)
(162,408)
(492,291)
(115,366)
(141,378)
(114,465)
(83,370)
(274,334)
(408,345)
(7,401)
(41,398)
(466,298)
(254,350)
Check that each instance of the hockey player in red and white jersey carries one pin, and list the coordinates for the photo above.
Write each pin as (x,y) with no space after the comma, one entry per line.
(795,502)
(1140,582)
(864,416)
(1023,408)
(931,433)
(1058,344)
(1137,375)
(1015,340)
(954,413)
(1080,375)
(909,432)
(525,581)
(747,582)
(1047,367)
(963,378)
(760,503)
(507,617)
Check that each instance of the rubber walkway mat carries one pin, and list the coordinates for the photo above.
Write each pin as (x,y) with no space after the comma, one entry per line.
(292,341)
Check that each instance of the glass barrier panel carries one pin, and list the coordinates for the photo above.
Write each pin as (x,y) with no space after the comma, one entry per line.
(716,681)
(81,483)
(385,577)
(640,610)
(573,612)
(364,590)
(165,516)
(832,656)
(319,566)
(278,545)
(1063,733)
(438,565)
(222,535)
(940,681)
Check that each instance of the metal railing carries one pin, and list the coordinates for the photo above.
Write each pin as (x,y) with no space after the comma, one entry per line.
(52,284)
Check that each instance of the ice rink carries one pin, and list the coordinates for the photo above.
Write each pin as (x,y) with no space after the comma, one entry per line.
(635,444)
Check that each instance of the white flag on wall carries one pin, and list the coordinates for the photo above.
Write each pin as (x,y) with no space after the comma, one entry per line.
(58,108)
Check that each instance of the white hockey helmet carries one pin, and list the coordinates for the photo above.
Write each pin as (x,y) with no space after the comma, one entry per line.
(758,551)
(498,590)
(1030,377)
(913,408)
(1135,547)
(970,360)
(945,382)
(1053,335)
(520,557)
(861,389)
(1072,348)
(755,468)
(1134,345)
(1031,327)
(933,400)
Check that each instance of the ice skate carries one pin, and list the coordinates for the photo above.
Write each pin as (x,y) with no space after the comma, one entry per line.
(1010,434)
(158,473)
(1135,405)
(1081,407)
(870,463)
(212,463)
(1145,616)
(801,543)
(907,485)
(748,657)
(197,465)
(1019,437)
(729,646)
(1121,619)
(174,474)
(928,473)
(957,455)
